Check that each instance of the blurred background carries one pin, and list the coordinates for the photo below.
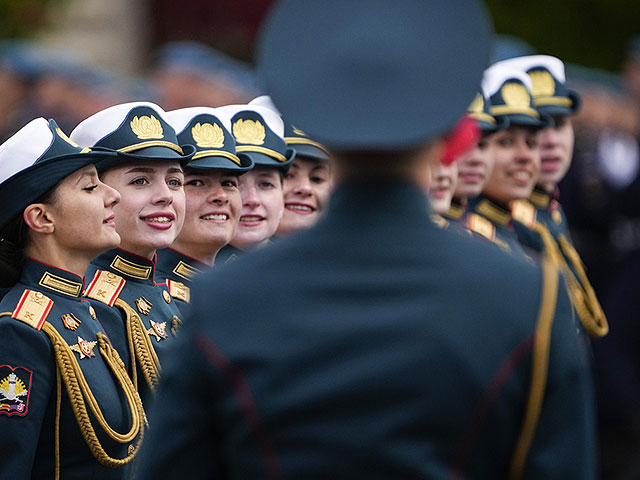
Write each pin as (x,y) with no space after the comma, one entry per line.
(67,59)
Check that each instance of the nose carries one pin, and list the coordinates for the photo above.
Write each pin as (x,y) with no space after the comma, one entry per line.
(219,196)
(111,195)
(249,195)
(162,194)
(525,153)
(548,138)
(302,186)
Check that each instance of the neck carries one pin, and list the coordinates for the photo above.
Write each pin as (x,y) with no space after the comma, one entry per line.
(202,253)
(72,261)
(141,251)
(547,187)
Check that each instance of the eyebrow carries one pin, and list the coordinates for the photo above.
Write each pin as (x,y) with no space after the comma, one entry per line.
(89,173)
(153,170)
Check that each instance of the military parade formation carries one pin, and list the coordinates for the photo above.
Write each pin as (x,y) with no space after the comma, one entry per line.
(366,273)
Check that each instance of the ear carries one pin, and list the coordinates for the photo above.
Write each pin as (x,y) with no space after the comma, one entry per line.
(38,218)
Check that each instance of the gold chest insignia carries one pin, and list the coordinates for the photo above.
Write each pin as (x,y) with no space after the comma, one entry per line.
(84,348)
(158,330)
(70,321)
(144,305)
(556,217)
(92,312)
(175,324)
(167,296)
(208,135)
(249,131)
(146,127)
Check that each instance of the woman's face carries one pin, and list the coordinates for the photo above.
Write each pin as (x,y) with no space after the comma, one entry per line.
(306,190)
(151,212)
(83,214)
(262,206)
(212,213)
(556,151)
(443,184)
(474,168)
(516,164)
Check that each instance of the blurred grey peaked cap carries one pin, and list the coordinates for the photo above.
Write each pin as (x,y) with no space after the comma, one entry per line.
(374,75)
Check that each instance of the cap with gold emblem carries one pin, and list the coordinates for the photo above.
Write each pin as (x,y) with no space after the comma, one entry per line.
(509,91)
(211,136)
(305,146)
(548,84)
(479,110)
(135,131)
(259,132)
(34,160)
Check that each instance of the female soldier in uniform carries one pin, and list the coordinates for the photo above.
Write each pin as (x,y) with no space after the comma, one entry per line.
(213,201)
(516,156)
(258,132)
(67,406)
(147,172)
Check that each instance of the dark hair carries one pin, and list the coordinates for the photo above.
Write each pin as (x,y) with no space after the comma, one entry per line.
(14,238)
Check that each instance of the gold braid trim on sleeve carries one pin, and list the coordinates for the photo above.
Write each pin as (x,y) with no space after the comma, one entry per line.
(581,293)
(140,347)
(80,393)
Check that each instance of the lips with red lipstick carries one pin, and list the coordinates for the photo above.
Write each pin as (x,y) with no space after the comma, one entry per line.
(300,208)
(159,220)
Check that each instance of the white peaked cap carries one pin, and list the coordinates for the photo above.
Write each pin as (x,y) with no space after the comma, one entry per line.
(22,149)
(180,118)
(94,128)
(272,119)
(554,65)
(498,74)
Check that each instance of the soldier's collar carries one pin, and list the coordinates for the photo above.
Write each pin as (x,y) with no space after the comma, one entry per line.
(540,198)
(52,279)
(456,209)
(178,264)
(126,264)
(498,214)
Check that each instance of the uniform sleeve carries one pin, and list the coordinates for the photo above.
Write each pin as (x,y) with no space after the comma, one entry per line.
(564,443)
(182,422)
(27,382)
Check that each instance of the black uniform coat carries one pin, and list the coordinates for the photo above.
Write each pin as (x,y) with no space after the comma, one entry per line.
(374,345)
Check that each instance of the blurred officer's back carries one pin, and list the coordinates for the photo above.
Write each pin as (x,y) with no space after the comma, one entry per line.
(376,345)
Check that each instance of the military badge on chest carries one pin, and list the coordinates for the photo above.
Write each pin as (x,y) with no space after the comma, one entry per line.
(158,330)
(15,386)
(84,348)
(144,305)
(70,321)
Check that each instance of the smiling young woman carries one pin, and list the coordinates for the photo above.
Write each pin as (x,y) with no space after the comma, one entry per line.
(57,215)
(136,308)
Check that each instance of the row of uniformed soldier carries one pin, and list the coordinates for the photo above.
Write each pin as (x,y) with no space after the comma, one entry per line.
(140,201)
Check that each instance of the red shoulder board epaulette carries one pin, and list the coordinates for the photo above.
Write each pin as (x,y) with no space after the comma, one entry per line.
(105,287)
(524,212)
(33,308)
(479,224)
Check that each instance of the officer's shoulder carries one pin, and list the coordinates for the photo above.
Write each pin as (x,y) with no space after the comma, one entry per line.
(27,306)
(524,212)
(105,287)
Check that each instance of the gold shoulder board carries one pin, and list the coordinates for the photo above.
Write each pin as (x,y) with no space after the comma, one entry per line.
(481,225)
(179,290)
(105,287)
(33,308)
(524,212)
